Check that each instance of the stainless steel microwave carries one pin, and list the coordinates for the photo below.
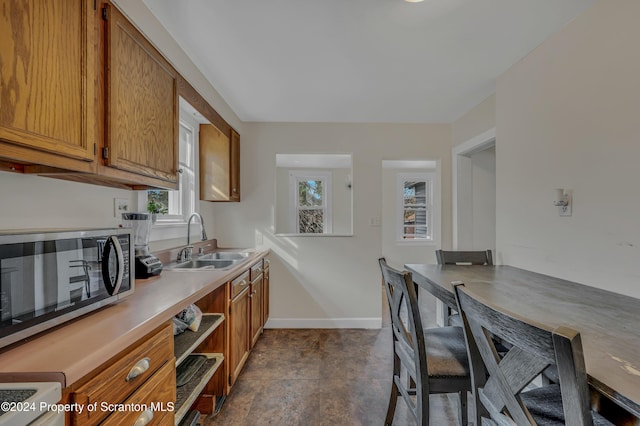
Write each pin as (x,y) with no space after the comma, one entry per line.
(48,277)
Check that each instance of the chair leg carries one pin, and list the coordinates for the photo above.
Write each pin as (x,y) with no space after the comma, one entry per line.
(463,408)
(393,400)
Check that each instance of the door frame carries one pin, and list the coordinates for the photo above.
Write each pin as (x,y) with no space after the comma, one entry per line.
(462,184)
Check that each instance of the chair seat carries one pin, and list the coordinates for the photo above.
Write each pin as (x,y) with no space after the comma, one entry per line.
(447,352)
(545,405)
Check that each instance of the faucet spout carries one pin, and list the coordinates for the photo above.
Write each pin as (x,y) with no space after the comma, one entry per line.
(204,234)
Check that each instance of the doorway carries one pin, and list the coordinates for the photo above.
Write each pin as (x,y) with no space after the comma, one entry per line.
(474,193)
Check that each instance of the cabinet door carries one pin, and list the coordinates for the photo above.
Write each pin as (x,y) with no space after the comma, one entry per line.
(215,152)
(142,104)
(234,173)
(265,295)
(257,288)
(47,81)
(239,333)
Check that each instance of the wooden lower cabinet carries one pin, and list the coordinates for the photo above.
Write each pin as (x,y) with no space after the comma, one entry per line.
(151,404)
(248,294)
(144,370)
(265,296)
(206,388)
(256,299)
(239,310)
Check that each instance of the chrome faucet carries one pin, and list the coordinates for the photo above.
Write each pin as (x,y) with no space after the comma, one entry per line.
(204,234)
(187,252)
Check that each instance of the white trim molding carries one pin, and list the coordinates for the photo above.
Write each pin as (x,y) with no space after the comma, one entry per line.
(460,170)
(366,323)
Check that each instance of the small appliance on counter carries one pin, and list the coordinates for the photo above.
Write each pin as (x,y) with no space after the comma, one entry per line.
(50,276)
(28,403)
(146,264)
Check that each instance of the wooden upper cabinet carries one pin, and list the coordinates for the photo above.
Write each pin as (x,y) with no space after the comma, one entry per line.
(219,164)
(215,152)
(235,166)
(141,104)
(48,82)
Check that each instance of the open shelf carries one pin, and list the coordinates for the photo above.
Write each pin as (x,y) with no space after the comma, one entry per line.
(186,395)
(188,341)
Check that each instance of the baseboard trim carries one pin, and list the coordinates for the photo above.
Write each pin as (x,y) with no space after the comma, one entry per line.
(370,323)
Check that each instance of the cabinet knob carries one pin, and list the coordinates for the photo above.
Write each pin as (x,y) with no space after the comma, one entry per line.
(140,367)
(180,170)
(144,418)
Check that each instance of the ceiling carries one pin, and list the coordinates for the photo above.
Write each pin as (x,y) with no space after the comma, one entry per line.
(358,60)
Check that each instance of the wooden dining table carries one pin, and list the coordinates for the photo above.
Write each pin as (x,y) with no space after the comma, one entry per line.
(608,322)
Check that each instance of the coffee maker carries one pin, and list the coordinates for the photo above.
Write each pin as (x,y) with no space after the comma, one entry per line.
(146,264)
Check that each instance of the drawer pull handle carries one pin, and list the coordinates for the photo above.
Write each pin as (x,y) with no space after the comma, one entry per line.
(243,283)
(140,367)
(144,418)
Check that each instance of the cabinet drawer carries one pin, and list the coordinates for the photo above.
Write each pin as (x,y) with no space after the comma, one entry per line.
(239,284)
(152,402)
(120,379)
(256,270)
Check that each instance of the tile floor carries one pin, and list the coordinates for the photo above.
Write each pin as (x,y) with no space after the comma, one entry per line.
(323,377)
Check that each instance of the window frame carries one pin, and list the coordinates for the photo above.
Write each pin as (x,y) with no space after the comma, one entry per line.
(174,226)
(297,176)
(432,210)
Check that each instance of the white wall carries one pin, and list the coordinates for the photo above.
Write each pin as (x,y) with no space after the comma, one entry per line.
(475,122)
(325,281)
(39,202)
(567,116)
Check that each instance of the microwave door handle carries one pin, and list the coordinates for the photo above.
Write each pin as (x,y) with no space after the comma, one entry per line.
(112,288)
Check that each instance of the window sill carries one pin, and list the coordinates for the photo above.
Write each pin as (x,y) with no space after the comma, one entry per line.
(426,243)
(168,230)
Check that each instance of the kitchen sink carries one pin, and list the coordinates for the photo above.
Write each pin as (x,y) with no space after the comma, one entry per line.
(216,261)
(226,255)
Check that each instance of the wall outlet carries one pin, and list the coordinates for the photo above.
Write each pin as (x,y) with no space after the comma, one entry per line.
(120,205)
(375,221)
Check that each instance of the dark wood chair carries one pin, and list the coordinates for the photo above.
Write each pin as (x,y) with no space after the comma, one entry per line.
(425,361)
(481,257)
(499,380)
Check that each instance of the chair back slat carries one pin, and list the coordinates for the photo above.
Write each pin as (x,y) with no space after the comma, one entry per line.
(483,257)
(499,380)
(409,341)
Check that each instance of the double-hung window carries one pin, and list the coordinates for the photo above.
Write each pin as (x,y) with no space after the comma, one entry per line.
(175,207)
(310,202)
(416,210)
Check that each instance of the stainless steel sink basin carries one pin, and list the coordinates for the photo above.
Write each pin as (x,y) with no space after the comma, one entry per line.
(217,261)
(201,264)
(228,255)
